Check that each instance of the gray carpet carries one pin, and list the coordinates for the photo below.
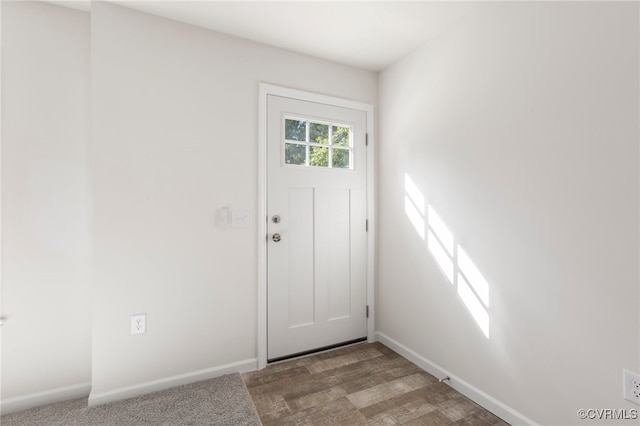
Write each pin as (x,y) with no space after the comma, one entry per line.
(220,401)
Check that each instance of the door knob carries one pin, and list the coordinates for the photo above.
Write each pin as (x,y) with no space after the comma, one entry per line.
(276,238)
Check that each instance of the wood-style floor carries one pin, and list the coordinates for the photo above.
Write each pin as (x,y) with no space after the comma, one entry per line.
(362,384)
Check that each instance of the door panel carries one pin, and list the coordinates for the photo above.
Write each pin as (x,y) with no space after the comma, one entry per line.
(299,239)
(316,272)
(334,215)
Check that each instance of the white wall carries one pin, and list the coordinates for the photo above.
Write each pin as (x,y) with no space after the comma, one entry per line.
(100,222)
(174,138)
(520,127)
(46,341)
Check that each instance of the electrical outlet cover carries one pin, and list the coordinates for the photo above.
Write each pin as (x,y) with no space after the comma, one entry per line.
(138,324)
(631,386)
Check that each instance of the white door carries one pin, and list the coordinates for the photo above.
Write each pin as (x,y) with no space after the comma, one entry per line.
(317,241)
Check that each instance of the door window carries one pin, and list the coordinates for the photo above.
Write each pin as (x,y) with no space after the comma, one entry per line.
(317,144)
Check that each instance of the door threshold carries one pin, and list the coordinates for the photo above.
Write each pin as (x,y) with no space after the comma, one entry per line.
(317,350)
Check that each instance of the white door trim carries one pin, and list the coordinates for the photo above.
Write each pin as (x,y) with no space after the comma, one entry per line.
(269,89)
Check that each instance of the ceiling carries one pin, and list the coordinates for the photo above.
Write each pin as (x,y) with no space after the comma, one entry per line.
(364,34)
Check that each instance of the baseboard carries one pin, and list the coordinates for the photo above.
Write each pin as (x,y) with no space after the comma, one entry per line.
(169,382)
(46,397)
(501,410)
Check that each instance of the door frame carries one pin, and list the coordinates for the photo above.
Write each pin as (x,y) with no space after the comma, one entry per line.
(265,90)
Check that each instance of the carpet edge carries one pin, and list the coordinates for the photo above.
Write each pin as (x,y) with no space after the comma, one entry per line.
(100,398)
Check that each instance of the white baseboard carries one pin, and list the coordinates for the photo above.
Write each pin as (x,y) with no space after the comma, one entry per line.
(501,410)
(169,382)
(46,397)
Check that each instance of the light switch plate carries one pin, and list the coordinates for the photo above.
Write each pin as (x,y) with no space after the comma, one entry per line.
(239,218)
(223,217)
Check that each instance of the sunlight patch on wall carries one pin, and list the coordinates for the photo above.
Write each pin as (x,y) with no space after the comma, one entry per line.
(474,276)
(443,258)
(473,304)
(440,244)
(473,289)
(441,231)
(414,205)
(454,262)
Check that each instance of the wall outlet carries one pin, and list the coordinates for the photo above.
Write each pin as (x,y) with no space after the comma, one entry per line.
(139,324)
(631,385)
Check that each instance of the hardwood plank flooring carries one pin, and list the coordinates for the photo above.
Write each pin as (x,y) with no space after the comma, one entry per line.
(361,384)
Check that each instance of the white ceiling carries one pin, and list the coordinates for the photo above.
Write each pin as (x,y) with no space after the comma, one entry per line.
(365,34)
